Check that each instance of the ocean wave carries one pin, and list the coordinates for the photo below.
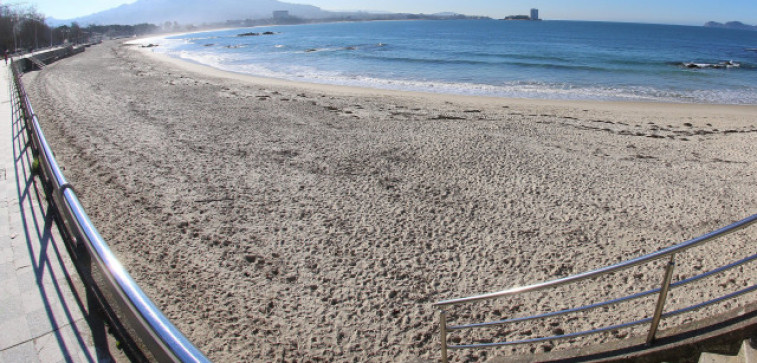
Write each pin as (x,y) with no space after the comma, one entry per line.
(500,55)
(720,65)
(515,89)
(342,48)
(200,38)
(520,89)
(518,62)
(165,44)
(579,74)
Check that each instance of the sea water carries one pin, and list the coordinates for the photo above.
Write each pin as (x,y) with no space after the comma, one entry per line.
(524,59)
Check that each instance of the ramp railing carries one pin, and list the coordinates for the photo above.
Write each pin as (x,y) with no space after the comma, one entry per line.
(652,321)
(154,337)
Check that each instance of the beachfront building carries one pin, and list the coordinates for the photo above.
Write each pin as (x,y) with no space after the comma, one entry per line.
(534,14)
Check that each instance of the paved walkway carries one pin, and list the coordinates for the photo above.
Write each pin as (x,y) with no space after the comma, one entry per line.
(44,308)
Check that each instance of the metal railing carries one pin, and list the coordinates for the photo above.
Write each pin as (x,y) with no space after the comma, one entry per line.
(653,321)
(155,337)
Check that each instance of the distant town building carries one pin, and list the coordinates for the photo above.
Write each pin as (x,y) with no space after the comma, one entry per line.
(534,14)
(281,14)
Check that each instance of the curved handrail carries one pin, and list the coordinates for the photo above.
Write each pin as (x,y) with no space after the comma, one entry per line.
(163,340)
(669,251)
(653,320)
(608,302)
(611,327)
(178,344)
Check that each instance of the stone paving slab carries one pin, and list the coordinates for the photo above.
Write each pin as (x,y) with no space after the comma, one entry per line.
(44,311)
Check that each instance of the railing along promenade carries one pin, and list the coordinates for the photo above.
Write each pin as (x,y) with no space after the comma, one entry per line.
(152,336)
(653,321)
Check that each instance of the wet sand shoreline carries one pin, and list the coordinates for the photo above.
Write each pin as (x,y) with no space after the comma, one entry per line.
(272,219)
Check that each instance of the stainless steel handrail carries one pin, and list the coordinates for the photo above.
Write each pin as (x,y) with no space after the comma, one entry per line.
(605,303)
(605,270)
(157,337)
(612,327)
(654,320)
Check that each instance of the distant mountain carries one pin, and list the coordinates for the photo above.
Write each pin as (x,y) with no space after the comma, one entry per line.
(731,25)
(194,12)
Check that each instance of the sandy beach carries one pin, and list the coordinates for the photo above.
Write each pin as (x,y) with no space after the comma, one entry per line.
(280,221)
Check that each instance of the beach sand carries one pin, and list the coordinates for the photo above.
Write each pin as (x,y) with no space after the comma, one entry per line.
(273,220)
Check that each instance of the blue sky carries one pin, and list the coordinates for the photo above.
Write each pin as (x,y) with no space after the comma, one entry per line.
(692,12)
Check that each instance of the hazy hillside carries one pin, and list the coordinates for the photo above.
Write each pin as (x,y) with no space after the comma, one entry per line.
(194,12)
